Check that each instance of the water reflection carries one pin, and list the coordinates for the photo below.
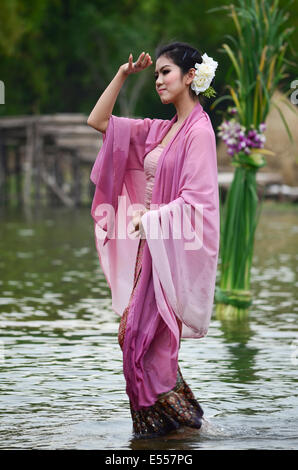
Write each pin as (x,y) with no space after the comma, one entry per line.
(62,384)
(237,334)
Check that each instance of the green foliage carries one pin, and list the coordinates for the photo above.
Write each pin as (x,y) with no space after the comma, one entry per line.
(210,92)
(59,55)
(258,56)
(258,60)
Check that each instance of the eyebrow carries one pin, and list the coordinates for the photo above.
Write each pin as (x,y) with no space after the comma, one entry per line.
(167,65)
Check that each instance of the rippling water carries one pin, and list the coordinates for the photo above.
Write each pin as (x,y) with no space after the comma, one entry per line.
(61,376)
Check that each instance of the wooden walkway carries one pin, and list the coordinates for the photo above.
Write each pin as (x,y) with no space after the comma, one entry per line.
(47,159)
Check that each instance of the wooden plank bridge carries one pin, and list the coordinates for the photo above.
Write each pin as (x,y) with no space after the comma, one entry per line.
(47,159)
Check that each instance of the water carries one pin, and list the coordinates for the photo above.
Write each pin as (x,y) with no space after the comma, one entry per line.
(62,385)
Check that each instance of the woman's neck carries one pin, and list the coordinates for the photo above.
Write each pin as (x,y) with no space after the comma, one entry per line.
(184,109)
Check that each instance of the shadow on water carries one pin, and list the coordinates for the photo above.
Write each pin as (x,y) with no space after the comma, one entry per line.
(62,383)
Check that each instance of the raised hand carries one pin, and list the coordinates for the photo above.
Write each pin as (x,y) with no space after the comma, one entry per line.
(142,63)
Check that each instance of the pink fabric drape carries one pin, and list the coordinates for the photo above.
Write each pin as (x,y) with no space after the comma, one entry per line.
(182,241)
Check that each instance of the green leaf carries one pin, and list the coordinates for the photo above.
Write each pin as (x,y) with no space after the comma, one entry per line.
(232,57)
(222,98)
(290,106)
(284,121)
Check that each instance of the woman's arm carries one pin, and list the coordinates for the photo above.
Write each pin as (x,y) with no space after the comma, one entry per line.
(103,109)
(101,112)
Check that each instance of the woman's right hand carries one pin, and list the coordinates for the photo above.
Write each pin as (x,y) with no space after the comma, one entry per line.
(142,63)
(137,222)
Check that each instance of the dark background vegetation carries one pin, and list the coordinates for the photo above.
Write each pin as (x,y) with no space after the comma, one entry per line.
(57,56)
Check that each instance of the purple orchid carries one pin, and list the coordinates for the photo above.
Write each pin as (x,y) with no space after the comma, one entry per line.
(235,137)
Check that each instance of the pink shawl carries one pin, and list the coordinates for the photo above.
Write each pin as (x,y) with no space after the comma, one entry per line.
(182,241)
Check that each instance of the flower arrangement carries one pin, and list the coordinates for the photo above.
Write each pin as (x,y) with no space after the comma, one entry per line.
(258,71)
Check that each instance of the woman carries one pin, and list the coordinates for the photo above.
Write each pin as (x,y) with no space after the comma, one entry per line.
(162,279)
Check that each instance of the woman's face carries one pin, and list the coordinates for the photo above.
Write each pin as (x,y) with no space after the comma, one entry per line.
(170,85)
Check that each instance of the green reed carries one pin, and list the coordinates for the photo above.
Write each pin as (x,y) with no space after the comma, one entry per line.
(258,60)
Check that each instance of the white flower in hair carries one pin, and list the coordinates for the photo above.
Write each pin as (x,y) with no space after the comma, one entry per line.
(204,74)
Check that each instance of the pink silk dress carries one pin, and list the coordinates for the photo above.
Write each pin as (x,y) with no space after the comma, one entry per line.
(169,275)
(150,165)
(178,407)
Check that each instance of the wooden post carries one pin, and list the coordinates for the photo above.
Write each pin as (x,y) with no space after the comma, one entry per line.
(18,175)
(46,175)
(76,192)
(2,168)
(27,163)
(38,157)
(59,169)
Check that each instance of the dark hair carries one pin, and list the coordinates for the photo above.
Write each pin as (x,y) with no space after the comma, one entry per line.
(185,56)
